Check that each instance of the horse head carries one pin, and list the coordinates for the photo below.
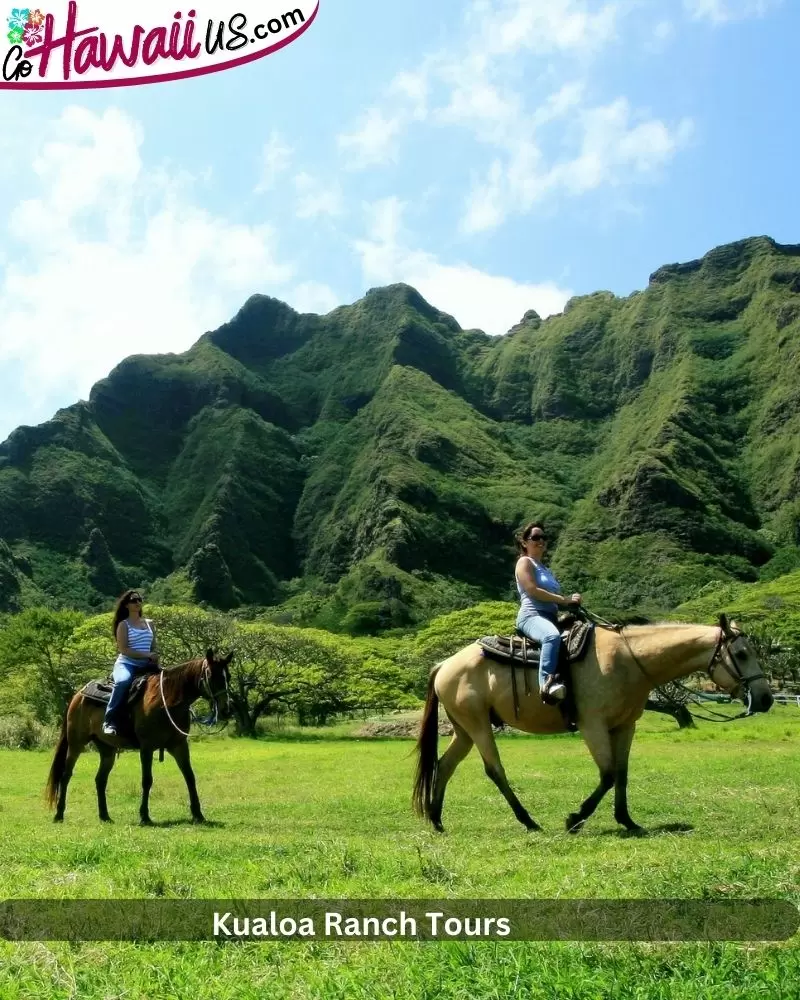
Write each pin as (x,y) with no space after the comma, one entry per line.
(736,669)
(216,682)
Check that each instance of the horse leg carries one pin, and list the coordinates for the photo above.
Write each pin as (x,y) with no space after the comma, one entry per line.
(181,755)
(107,756)
(621,739)
(146,758)
(598,740)
(458,748)
(484,740)
(70,761)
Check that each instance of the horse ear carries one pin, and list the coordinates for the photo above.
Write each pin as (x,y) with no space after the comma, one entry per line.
(228,658)
(210,655)
(723,624)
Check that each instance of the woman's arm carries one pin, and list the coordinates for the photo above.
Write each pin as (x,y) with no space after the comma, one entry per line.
(155,655)
(122,644)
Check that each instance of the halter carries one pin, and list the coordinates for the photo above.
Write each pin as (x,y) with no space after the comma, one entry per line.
(205,681)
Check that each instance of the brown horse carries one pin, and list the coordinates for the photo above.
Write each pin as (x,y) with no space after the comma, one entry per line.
(611,685)
(159,720)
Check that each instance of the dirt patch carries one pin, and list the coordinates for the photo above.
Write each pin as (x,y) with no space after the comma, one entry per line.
(407,729)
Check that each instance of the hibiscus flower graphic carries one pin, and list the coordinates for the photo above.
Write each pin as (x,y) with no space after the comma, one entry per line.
(33,35)
(15,36)
(19,18)
(36,18)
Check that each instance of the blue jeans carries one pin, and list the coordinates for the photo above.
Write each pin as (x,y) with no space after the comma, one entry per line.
(122,676)
(543,630)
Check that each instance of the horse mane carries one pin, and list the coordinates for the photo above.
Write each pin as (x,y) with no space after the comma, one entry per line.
(664,625)
(176,679)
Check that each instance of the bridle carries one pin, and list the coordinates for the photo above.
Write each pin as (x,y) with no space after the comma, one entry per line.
(727,644)
(206,692)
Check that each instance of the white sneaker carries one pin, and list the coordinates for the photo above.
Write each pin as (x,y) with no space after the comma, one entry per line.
(557,691)
(108,729)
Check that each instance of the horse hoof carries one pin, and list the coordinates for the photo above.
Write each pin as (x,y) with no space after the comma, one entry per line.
(635,830)
(58,819)
(438,827)
(533,828)
(145,821)
(199,820)
(106,819)
(574,823)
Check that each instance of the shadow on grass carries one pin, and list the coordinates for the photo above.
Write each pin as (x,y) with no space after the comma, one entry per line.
(649,831)
(210,824)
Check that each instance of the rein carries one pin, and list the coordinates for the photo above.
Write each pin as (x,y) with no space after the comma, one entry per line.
(714,657)
(205,680)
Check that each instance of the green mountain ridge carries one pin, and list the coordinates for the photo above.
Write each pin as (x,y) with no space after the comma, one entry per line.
(367,469)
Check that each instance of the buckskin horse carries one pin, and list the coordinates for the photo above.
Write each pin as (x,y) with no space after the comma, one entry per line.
(610,686)
(159,720)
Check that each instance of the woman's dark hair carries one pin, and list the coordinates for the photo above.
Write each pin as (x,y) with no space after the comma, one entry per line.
(121,610)
(525,534)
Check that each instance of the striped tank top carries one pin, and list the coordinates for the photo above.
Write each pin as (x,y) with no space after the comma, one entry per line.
(140,639)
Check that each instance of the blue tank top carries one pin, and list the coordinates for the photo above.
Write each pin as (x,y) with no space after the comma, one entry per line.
(545,580)
(140,639)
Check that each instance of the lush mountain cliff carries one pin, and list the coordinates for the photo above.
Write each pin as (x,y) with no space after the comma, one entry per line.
(369,467)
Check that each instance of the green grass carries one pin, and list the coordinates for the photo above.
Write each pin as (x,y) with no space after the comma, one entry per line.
(324,814)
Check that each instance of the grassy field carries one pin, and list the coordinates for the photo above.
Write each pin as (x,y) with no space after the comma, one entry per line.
(326,814)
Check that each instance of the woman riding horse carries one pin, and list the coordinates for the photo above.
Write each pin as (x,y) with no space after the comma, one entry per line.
(540,596)
(138,651)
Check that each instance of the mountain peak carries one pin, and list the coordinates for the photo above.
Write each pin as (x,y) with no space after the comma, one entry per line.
(727,259)
(400,295)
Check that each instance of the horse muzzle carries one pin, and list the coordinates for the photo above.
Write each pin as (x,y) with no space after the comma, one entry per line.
(759,701)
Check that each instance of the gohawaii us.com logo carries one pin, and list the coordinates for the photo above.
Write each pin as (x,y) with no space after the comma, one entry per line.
(95,44)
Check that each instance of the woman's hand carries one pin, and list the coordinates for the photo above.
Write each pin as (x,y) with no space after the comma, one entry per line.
(576,599)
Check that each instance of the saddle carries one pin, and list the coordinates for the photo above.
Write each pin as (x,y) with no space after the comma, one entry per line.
(518,650)
(100,691)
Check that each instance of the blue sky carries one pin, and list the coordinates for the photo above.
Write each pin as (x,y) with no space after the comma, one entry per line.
(499,155)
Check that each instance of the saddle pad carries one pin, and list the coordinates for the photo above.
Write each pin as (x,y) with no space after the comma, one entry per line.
(578,639)
(525,652)
(100,691)
(512,649)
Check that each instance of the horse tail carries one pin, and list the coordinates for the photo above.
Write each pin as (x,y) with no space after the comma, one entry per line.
(427,751)
(57,767)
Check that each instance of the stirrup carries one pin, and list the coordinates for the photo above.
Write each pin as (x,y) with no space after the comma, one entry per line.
(546,692)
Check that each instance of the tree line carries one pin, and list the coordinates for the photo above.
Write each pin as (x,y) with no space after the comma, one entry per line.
(47,655)
(308,675)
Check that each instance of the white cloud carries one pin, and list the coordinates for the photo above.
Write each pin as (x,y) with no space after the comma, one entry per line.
(315,198)
(113,259)
(506,27)
(720,11)
(314,297)
(276,158)
(663,32)
(613,149)
(492,303)
(542,141)
(373,141)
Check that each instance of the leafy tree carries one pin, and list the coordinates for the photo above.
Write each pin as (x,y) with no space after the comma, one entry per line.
(291,669)
(37,643)
(780,661)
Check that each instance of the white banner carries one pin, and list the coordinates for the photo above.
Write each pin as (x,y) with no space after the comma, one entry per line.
(94,43)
